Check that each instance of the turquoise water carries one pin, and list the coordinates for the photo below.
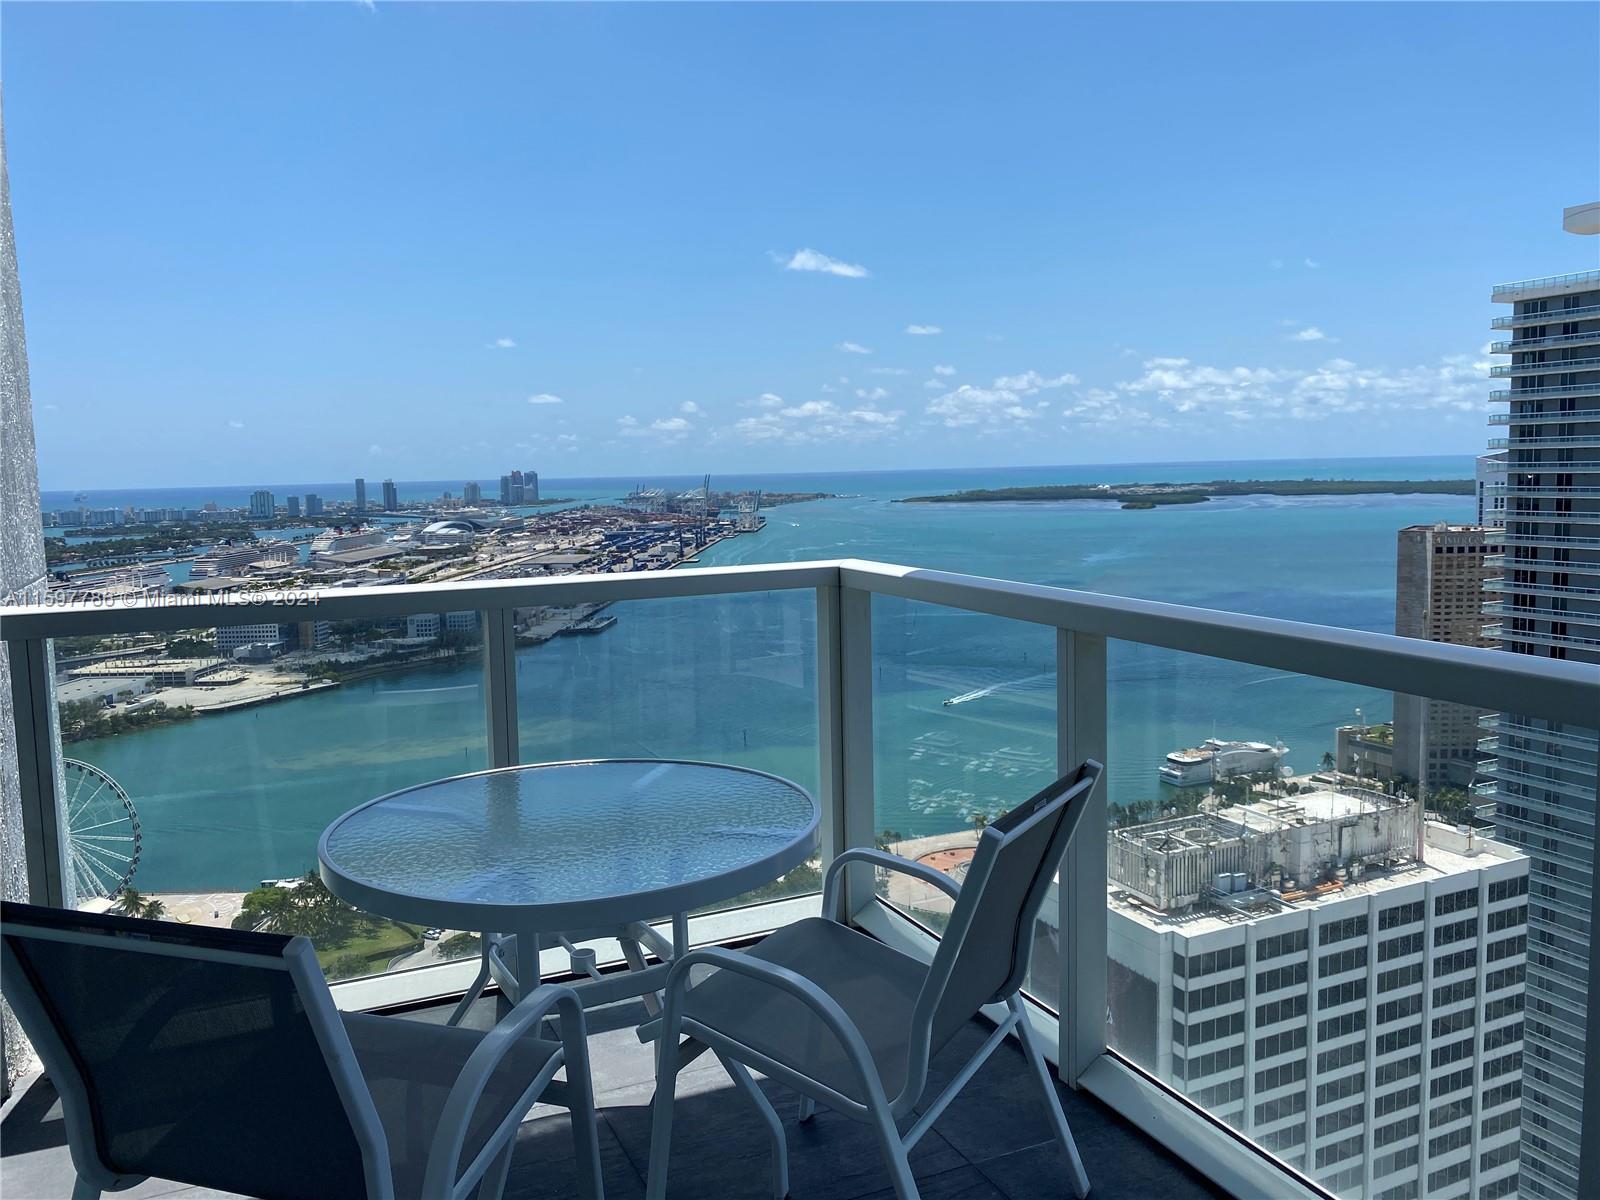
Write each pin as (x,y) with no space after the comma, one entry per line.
(228,800)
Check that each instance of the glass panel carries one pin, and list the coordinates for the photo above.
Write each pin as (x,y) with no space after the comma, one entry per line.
(201,767)
(964,727)
(728,679)
(1329,931)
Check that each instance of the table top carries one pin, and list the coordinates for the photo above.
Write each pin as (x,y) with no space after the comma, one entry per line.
(568,846)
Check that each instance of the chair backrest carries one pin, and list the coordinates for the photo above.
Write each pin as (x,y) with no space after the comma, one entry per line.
(187,1053)
(983,956)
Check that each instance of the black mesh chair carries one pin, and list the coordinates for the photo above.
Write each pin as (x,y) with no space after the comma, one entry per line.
(216,1057)
(850,1022)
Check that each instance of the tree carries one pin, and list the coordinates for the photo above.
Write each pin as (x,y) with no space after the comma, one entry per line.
(130,903)
(153,910)
(1327,763)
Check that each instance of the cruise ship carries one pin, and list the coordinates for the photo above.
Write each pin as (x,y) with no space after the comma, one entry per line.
(1215,759)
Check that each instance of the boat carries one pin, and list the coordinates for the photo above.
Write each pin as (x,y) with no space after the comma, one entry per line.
(1215,759)
(590,625)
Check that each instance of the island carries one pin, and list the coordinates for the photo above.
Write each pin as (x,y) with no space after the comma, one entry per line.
(1150,495)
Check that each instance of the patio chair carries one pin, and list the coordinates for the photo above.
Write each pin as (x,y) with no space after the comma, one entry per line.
(215,1057)
(849,1022)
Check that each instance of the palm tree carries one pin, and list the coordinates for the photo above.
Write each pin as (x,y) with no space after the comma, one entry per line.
(129,903)
(152,910)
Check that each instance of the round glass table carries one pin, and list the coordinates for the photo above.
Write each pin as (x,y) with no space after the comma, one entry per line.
(569,849)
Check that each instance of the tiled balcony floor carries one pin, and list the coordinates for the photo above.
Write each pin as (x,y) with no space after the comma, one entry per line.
(993,1142)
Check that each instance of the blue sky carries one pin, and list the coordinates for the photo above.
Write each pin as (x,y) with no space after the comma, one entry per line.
(313,241)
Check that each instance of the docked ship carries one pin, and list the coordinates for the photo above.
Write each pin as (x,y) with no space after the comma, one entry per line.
(1215,759)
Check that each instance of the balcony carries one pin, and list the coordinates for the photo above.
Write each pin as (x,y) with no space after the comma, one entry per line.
(1554,367)
(1575,281)
(1592,338)
(1556,540)
(1588,441)
(1576,389)
(896,695)
(1537,589)
(1553,317)
(1549,491)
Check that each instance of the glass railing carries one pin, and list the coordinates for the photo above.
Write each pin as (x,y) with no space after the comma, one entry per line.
(1200,941)
(1554,317)
(1586,440)
(1571,279)
(1539,343)
(1553,367)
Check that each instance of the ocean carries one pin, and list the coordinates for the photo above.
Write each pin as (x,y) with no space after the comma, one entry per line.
(964,704)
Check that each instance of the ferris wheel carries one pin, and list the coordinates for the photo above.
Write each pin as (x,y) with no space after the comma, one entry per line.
(103,835)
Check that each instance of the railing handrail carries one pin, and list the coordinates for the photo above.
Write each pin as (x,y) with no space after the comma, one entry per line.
(1552,689)
(1522,285)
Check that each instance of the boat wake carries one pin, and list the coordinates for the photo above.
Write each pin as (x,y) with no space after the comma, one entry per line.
(1006,685)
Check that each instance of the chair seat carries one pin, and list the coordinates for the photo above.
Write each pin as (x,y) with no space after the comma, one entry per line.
(876,986)
(410,1067)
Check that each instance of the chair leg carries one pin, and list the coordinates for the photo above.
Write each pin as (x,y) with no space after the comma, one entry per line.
(493,1184)
(780,1143)
(808,1109)
(82,1189)
(894,1155)
(1052,1101)
(661,1114)
(585,1125)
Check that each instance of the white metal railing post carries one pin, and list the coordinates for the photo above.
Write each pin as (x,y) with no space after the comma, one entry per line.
(500,684)
(847,632)
(1081,702)
(43,839)
(830,724)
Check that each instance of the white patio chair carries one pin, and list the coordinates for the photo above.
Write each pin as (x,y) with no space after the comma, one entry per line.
(849,1022)
(215,1057)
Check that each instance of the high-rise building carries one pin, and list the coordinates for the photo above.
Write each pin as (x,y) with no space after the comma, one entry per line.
(291,506)
(505,489)
(361,495)
(471,493)
(313,505)
(530,487)
(1296,970)
(1546,602)
(263,504)
(1438,597)
(391,496)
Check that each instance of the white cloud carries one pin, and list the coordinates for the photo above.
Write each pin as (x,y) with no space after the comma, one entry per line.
(888,371)
(1312,263)
(765,400)
(1276,264)
(1453,384)
(815,260)
(1311,334)
(814,422)
(231,424)
(995,409)
(670,425)
(942,369)
(690,407)
(545,398)
(503,344)
(876,393)
(923,330)
(665,429)
(936,385)
(374,449)
(853,348)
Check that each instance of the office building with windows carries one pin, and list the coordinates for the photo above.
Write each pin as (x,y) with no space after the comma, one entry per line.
(391,496)
(313,505)
(1439,577)
(361,495)
(1295,968)
(1544,601)
(530,487)
(263,504)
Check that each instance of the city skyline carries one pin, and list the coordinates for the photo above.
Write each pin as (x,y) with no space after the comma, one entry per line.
(921,269)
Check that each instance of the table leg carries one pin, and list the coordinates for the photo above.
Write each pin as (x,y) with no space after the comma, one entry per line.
(524,964)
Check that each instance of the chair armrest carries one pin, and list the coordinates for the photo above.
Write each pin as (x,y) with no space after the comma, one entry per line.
(827,1009)
(891,862)
(445,1153)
